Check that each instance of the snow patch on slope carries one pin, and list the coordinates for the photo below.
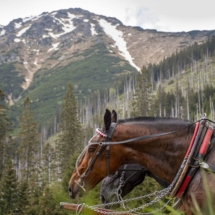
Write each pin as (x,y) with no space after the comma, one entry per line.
(117,36)
(67,27)
(20,33)
(33,18)
(26,19)
(18,24)
(17,40)
(71,16)
(2,32)
(54,47)
(93,32)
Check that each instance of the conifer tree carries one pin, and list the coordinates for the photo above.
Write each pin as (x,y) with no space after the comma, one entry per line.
(29,143)
(5,127)
(8,190)
(69,140)
(23,198)
(35,192)
(48,205)
(142,98)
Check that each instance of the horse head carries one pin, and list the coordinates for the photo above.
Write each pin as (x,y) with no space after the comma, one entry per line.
(127,177)
(116,186)
(91,166)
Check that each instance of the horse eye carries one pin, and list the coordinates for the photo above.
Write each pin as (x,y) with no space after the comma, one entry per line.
(91,149)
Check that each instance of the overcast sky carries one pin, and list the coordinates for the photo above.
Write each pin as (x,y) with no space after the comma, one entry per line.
(162,15)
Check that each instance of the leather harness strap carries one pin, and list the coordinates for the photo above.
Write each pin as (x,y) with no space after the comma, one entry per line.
(91,163)
(108,138)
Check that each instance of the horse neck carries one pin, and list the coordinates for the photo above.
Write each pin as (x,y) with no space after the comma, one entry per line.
(161,155)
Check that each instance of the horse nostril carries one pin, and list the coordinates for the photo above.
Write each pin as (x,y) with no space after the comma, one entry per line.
(102,198)
(70,192)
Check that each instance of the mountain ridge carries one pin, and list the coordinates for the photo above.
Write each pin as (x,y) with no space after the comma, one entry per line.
(76,45)
(47,28)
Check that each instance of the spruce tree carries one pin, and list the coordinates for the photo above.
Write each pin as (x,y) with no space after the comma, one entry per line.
(8,190)
(5,127)
(48,205)
(23,198)
(29,143)
(70,139)
(142,98)
(35,192)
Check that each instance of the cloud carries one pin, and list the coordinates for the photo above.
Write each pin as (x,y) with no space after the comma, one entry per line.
(146,18)
(162,15)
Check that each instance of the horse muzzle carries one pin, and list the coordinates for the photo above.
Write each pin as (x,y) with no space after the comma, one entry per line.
(109,198)
(73,191)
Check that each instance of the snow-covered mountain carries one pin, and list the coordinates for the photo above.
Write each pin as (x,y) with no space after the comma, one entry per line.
(53,40)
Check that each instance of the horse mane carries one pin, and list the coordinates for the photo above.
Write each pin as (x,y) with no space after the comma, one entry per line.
(151,118)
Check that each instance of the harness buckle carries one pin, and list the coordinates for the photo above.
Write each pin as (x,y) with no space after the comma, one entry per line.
(203,116)
(204,165)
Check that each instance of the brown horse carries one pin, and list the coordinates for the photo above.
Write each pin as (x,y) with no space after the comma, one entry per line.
(161,152)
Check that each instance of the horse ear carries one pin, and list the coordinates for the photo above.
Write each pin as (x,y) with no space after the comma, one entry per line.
(113,116)
(107,119)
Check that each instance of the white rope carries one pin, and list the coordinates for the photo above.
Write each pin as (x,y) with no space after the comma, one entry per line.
(100,133)
(78,159)
(82,154)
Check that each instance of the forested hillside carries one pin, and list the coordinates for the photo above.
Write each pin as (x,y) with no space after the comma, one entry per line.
(40,54)
(182,86)
(37,161)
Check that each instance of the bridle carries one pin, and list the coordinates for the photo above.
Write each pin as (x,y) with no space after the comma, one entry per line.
(108,138)
(107,144)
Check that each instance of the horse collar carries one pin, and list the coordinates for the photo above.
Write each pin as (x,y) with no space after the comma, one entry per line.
(196,153)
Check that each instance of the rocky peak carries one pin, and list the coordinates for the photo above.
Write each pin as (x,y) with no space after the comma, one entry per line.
(53,40)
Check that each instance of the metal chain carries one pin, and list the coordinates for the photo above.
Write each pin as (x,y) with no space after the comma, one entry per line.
(164,191)
(118,191)
(160,195)
(128,211)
